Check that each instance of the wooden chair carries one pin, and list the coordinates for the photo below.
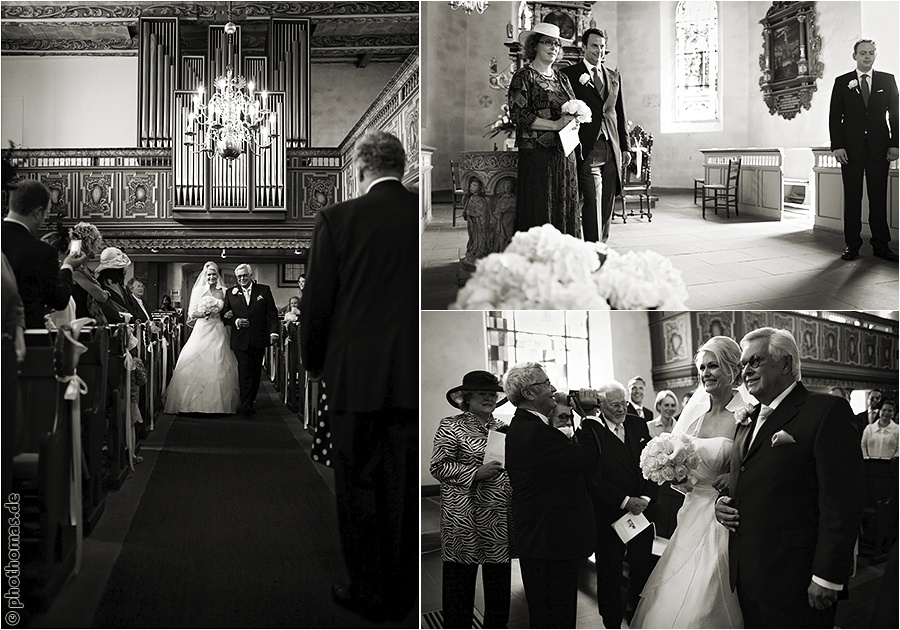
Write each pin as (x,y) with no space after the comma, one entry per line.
(727,192)
(636,178)
(698,188)
(458,192)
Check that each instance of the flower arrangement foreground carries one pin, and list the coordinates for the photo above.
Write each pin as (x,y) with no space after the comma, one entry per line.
(543,269)
(669,457)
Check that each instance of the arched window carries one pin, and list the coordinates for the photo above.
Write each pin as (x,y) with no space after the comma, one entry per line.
(696,61)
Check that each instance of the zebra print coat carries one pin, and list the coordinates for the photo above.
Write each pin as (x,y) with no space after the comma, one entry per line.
(475,518)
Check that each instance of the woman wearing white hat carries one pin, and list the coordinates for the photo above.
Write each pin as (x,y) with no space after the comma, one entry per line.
(111,276)
(547,178)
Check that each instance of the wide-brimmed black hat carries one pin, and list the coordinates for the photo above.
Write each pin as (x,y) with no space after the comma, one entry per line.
(477,381)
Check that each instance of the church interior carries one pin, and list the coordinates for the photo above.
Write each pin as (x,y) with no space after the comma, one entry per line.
(584,349)
(186,133)
(779,242)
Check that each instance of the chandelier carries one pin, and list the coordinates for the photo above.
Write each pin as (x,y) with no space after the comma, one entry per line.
(235,120)
(469,5)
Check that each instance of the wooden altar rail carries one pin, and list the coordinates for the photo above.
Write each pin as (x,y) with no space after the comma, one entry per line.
(828,195)
(68,455)
(761,184)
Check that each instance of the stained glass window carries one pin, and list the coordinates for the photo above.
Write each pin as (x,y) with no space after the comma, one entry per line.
(696,61)
(557,339)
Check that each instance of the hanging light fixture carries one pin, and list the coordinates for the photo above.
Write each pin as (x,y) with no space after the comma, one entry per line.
(236,119)
(469,5)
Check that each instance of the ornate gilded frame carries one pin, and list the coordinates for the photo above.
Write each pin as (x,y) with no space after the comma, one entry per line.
(790,60)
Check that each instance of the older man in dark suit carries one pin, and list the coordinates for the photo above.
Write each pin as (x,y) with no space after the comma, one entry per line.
(618,489)
(604,140)
(251,312)
(44,284)
(863,123)
(797,493)
(360,332)
(553,520)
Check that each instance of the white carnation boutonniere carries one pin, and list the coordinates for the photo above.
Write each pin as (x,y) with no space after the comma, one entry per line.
(853,84)
(585,79)
(742,414)
(234,291)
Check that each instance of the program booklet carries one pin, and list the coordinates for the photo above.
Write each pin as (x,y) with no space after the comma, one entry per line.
(496,448)
(630,526)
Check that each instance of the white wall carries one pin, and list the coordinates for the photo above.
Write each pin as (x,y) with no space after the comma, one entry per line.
(70,102)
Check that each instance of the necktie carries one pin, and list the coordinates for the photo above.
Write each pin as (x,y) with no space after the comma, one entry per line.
(865,89)
(620,433)
(247,296)
(598,80)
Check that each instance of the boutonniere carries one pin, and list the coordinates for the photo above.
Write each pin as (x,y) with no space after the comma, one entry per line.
(783,437)
(259,297)
(742,414)
(234,291)
(585,79)
(853,84)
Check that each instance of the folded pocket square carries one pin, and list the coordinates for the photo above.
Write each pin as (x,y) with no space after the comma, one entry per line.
(781,438)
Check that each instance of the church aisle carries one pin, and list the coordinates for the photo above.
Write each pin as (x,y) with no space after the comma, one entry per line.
(236,528)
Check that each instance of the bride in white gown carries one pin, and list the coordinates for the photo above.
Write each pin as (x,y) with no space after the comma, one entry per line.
(689,587)
(206,375)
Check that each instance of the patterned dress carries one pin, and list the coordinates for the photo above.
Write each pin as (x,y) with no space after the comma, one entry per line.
(475,518)
(547,179)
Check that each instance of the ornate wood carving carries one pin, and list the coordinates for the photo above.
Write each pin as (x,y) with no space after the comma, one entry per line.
(790,59)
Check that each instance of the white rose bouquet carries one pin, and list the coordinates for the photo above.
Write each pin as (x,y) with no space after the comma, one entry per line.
(544,269)
(206,307)
(292,315)
(669,457)
(578,109)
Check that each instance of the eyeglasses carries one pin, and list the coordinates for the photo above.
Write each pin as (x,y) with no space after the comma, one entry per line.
(547,383)
(754,362)
(618,405)
(550,42)
(242,275)
(566,416)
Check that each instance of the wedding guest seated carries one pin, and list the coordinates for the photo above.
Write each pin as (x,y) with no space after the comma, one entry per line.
(88,294)
(475,498)
(43,283)
(880,439)
(666,406)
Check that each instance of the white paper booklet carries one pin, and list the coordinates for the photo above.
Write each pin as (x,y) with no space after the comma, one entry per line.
(496,448)
(630,526)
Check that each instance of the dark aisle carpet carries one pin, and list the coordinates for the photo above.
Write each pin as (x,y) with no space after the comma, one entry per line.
(235,529)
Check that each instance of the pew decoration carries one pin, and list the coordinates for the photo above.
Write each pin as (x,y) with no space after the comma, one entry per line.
(544,269)
(67,352)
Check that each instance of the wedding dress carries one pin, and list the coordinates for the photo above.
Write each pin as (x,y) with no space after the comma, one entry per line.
(689,587)
(205,379)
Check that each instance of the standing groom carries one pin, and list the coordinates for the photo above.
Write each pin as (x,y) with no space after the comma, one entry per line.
(254,322)
(862,102)
(604,140)
(797,493)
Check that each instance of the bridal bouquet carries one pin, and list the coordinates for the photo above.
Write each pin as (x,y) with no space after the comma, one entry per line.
(207,306)
(669,457)
(292,315)
(544,269)
(578,109)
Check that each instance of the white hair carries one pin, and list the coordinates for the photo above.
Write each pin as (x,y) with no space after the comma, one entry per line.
(517,379)
(244,266)
(781,344)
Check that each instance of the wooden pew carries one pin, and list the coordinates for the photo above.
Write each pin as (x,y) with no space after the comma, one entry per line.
(93,370)
(41,476)
(116,458)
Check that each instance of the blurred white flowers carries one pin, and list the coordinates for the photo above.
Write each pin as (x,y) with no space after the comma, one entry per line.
(544,269)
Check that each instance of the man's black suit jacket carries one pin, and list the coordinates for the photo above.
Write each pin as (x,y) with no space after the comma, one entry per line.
(261,312)
(612,110)
(620,471)
(801,503)
(648,413)
(551,506)
(42,284)
(359,314)
(855,126)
